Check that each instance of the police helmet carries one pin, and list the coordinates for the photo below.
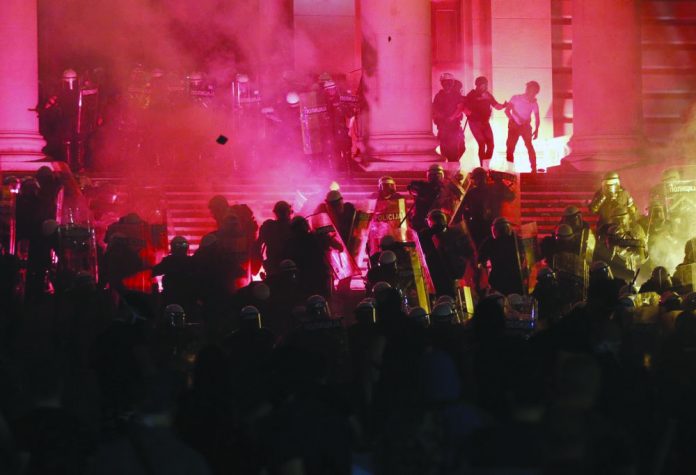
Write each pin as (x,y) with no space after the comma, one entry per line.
(419,315)
(387,241)
(571,211)
(380,287)
(387,258)
(261,291)
(386,180)
(49,227)
(317,307)
(546,274)
(175,315)
(443,313)
(287,265)
(611,177)
(500,226)
(365,312)
(179,243)
(670,175)
(600,270)
(564,232)
(333,196)
(437,216)
(250,317)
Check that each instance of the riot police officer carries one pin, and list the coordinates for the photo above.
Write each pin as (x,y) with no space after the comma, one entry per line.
(177,269)
(610,197)
(448,251)
(505,253)
(425,194)
(448,108)
(272,236)
(386,190)
(482,202)
(342,213)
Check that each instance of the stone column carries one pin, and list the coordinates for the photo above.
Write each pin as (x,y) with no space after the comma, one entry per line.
(20,140)
(607,102)
(396,81)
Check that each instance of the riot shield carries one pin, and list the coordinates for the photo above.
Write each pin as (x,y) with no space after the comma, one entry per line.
(357,243)
(528,244)
(450,198)
(342,262)
(684,278)
(314,119)
(521,314)
(77,253)
(413,276)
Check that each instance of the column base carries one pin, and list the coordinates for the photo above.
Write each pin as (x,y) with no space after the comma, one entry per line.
(21,146)
(401,151)
(604,152)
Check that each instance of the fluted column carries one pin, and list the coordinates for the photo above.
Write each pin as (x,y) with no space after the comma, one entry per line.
(607,88)
(396,81)
(20,140)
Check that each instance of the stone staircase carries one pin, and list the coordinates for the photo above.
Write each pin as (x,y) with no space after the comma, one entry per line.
(546,195)
(543,197)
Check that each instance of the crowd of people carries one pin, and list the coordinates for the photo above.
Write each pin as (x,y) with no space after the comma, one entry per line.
(221,373)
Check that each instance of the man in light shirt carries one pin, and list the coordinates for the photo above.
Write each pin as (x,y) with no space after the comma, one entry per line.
(519,110)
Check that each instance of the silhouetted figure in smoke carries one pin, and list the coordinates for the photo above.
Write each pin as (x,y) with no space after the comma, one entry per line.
(480,101)
(660,281)
(178,283)
(273,235)
(610,197)
(448,108)
(482,203)
(36,203)
(243,238)
(342,214)
(219,208)
(310,252)
(426,194)
(448,252)
(520,109)
(120,261)
(505,253)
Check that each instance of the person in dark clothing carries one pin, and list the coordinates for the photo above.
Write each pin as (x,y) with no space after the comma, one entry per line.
(480,102)
(272,237)
(504,251)
(482,203)
(310,252)
(426,194)
(178,271)
(342,214)
(448,108)
(448,252)
(610,197)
